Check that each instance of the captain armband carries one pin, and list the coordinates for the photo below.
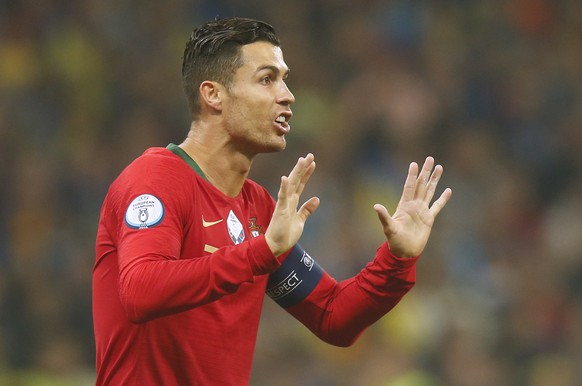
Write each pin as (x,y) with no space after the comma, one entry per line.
(294,280)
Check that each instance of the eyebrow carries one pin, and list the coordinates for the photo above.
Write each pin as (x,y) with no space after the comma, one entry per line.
(274,69)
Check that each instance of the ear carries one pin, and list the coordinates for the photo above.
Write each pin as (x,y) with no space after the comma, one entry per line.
(211,94)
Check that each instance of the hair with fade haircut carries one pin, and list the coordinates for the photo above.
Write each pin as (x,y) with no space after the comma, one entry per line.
(213,53)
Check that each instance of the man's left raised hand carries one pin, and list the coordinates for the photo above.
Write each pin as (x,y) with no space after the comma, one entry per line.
(408,229)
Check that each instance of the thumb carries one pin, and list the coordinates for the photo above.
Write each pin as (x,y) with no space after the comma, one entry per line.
(385,218)
(308,208)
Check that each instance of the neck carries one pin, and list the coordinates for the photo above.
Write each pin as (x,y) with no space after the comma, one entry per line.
(224,167)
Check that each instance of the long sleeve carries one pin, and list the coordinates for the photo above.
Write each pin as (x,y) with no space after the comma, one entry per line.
(151,286)
(338,312)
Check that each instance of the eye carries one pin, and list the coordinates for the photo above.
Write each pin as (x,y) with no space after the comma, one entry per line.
(266,80)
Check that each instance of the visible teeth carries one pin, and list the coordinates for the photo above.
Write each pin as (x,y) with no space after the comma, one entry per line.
(280,119)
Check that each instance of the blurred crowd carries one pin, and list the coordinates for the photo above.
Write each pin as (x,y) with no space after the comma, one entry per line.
(492,89)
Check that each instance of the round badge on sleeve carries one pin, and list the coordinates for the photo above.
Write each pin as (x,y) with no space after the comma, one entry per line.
(145,211)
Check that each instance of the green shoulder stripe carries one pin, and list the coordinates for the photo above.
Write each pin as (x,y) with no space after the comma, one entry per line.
(182,154)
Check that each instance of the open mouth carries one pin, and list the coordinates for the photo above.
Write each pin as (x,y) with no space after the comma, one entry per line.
(283,122)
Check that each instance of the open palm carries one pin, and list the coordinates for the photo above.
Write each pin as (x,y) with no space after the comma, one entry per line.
(287,222)
(408,229)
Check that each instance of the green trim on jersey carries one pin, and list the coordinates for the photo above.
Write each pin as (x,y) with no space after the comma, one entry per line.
(182,154)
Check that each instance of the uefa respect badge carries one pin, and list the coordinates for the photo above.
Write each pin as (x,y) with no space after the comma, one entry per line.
(145,211)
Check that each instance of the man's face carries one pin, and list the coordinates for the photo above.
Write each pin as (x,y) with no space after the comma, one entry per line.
(257,105)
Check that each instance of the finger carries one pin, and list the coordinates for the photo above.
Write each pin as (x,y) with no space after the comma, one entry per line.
(424,177)
(410,183)
(439,204)
(432,185)
(282,195)
(295,171)
(288,182)
(303,163)
(296,180)
(306,176)
(308,208)
(388,224)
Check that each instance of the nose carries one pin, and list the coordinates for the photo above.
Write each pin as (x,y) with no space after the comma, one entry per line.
(286,96)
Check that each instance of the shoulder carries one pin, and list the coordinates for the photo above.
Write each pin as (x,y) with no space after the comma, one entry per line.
(156,160)
(156,166)
(157,172)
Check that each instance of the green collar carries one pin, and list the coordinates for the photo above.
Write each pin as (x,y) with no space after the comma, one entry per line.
(182,154)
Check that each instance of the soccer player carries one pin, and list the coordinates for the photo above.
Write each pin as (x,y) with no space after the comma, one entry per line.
(187,246)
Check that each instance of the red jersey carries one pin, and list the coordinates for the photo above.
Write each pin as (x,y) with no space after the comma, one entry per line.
(181,272)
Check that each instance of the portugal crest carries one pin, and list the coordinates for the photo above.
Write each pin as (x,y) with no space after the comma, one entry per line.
(255,229)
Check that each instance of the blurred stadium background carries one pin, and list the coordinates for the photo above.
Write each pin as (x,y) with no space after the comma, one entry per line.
(492,89)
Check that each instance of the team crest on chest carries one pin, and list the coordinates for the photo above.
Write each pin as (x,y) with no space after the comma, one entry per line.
(255,229)
(235,228)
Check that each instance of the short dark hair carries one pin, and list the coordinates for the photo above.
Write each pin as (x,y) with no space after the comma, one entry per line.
(213,52)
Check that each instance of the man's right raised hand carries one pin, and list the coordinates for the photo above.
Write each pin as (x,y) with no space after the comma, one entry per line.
(287,222)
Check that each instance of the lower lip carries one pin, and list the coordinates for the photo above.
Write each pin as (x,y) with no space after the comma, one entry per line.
(282,128)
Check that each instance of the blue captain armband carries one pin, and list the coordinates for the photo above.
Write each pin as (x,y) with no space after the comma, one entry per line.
(294,280)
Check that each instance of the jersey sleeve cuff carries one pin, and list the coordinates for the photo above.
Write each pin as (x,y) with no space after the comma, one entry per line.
(261,258)
(395,261)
